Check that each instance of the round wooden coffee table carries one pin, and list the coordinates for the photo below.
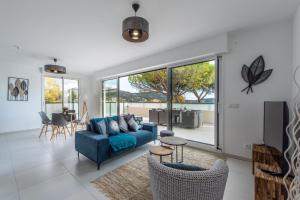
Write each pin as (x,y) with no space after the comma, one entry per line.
(175,141)
(161,151)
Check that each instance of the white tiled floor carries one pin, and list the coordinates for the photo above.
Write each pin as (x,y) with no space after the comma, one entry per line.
(37,169)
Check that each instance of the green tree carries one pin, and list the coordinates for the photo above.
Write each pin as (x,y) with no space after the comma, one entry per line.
(53,93)
(196,78)
(157,81)
(202,79)
(154,81)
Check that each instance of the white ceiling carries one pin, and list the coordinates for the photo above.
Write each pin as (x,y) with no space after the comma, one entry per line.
(86,34)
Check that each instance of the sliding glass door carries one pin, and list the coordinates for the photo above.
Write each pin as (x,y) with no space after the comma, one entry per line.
(110,97)
(61,93)
(182,98)
(193,102)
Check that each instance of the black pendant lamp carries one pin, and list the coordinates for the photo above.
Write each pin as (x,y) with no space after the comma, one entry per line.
(135,29)
(54,68)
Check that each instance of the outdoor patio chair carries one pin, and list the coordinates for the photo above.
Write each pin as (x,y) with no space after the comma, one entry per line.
(163,117)
(153,115)
(189,119)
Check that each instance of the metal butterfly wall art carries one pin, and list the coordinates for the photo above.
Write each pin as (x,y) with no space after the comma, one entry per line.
(255,74)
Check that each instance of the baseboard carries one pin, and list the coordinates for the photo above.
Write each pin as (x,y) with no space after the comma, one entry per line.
(237,157)
(218,152)
(10,132)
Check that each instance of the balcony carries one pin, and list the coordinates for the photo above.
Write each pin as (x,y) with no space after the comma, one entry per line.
(194,122)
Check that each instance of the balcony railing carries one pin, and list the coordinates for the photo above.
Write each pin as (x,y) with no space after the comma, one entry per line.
(57,108)
(142,109)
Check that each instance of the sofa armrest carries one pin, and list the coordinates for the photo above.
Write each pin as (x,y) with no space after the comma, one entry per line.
(93,145)
(151,127)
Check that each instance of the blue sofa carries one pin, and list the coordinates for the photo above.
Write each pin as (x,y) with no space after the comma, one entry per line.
(99,147)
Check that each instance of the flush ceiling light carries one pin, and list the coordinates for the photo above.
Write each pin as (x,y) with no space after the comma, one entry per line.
(135,29)
(54,68)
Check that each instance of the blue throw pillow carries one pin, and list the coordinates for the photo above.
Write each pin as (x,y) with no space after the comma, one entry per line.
(88,127)
(113,127)
(133,125)
(127,117)
(123,124)
(116,118)
(94,122)
(101,128)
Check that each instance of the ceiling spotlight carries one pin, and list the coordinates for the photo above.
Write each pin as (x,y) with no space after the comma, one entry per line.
(135,29)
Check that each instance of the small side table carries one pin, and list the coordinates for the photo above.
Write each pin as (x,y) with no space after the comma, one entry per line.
(175,141)
(161,151)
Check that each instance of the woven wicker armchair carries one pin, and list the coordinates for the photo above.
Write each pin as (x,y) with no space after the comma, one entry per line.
(173,184)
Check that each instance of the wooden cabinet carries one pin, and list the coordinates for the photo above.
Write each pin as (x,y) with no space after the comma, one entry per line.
(267,186)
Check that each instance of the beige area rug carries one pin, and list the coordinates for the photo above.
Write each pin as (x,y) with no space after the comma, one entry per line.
(131,181)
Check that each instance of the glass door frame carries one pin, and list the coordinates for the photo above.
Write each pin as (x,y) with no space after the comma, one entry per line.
(78,82)
(169,67)
(62,81)
(102,94)
(217,60)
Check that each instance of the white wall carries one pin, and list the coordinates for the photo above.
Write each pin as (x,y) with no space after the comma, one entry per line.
(296,47)
(17,115)
(244,125)
(20,115)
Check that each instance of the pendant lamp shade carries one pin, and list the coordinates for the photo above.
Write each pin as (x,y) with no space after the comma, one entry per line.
(54,68)
(135,29)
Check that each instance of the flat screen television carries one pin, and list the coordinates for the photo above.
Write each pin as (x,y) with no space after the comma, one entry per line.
(276,119)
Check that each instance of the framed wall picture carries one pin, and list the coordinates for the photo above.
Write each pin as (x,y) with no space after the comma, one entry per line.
(17,89)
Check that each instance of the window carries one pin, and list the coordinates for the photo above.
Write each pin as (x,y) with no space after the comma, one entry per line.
(110,97)
(182,98)
(60,93)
